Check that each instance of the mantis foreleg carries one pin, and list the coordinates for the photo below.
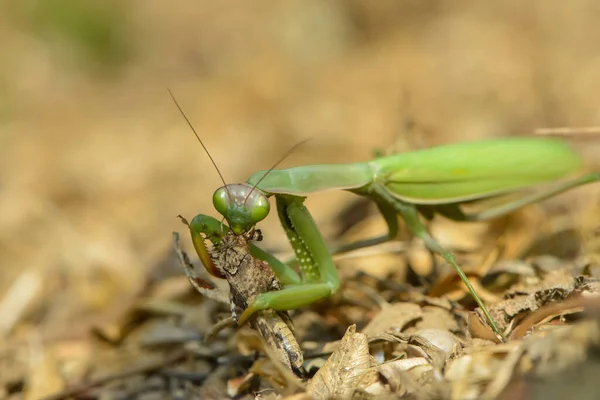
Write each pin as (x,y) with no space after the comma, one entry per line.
(320,278)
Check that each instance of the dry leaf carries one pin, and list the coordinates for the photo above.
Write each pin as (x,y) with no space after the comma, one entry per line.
(344,370)
(393,318)
(401,377)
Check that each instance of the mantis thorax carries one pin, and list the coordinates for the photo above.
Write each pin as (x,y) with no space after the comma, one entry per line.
(242,205)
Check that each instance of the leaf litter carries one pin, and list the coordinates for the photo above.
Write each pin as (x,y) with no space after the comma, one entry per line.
(394,334)
(409,344)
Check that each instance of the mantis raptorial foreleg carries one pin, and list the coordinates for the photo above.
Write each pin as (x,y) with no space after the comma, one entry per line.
(320,278)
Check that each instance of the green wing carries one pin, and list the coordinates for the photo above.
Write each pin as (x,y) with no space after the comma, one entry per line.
(473,170)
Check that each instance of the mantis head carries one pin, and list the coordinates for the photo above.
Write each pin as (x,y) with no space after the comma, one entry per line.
(242,205)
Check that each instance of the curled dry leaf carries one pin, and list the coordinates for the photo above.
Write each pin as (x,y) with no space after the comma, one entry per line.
(556,287)
(344,371)
(402,377)
(479,329)
(546,314)
(438,344)
(435,345)
(198,277)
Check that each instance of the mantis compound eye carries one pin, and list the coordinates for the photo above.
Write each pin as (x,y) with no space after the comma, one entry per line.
(221,200)
(258,205)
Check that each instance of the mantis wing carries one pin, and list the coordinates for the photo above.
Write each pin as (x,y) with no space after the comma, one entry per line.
(475,170)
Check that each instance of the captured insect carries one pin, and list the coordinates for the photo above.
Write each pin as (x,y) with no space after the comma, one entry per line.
(413,185)
(230,258)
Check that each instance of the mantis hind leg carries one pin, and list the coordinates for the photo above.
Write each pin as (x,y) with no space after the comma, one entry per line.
(410,215)
(391,218)
(507,208)
(320,278)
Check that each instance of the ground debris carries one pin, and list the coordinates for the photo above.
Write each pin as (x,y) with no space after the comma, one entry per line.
(401,344)
(96,165)
(345,369)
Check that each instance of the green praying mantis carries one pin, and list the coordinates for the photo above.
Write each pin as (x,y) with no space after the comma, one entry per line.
(419,183)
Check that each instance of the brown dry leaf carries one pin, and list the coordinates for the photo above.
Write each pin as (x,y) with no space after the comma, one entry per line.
(273,368)
(276,374)
(436,345)
(420,258)
(44,371)
(402,377)
(452,287)
(548,274)
(480,329)
(555,286)
(507,273)
(161,332)
(214,387)
(437,318)
(344,371)
(393,318)
(468,374)
(18,299)
(559,349)
(239,385)
(463,237)
(297,396)
(378,261)
(518,230)
(484,372)
(548,313)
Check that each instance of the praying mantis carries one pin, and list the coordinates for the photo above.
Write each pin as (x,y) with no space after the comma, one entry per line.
(413,185)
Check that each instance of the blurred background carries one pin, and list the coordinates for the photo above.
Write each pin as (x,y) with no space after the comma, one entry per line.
(96,162)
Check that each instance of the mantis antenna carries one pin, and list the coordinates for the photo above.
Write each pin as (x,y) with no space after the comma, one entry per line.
(286,155)
(201,142)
